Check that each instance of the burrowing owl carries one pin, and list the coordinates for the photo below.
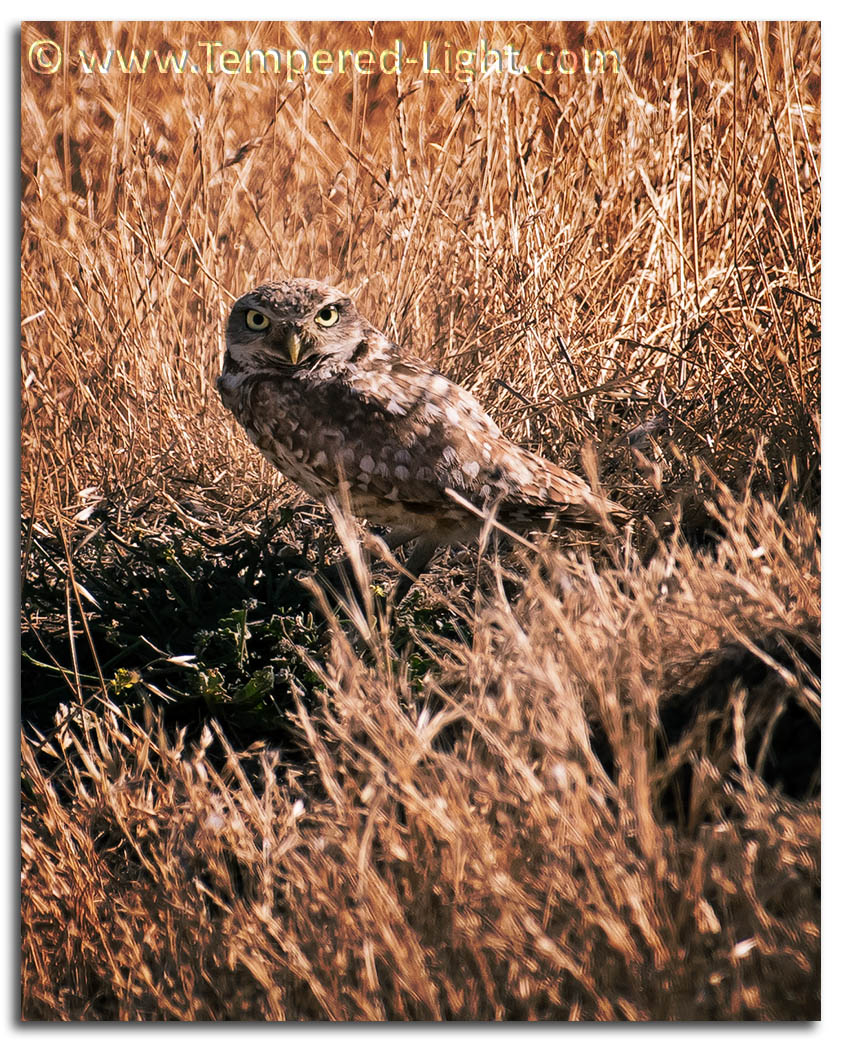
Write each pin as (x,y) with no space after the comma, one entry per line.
(339,409)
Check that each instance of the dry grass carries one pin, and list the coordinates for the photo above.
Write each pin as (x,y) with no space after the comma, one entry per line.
(589,789)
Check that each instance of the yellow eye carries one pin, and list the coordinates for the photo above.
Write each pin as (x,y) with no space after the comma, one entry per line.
(328,316)
(257,321)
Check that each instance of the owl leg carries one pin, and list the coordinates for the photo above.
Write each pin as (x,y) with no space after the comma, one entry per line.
(337,574)
(416,565)
(340,574)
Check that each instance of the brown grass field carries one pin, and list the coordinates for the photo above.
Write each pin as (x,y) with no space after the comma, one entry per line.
(578,780)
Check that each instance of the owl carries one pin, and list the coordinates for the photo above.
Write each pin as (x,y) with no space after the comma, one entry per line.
(345,414)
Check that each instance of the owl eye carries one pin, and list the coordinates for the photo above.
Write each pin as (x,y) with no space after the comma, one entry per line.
(328,316)
(257,321)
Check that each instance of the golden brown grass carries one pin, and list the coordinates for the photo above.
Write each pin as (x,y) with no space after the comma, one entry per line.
(462,811)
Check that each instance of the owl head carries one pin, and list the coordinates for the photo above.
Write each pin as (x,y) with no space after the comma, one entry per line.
(293,325)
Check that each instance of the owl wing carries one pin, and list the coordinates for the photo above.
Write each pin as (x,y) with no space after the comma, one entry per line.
(441,441)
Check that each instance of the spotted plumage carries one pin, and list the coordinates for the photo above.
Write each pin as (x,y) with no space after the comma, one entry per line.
(339,409)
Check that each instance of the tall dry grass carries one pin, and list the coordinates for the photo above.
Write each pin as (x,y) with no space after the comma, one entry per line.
(476,808)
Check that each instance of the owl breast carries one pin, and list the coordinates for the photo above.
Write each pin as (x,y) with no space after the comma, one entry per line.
(325,440)
(277,422)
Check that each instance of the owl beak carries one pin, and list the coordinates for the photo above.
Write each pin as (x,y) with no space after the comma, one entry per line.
(292,345)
